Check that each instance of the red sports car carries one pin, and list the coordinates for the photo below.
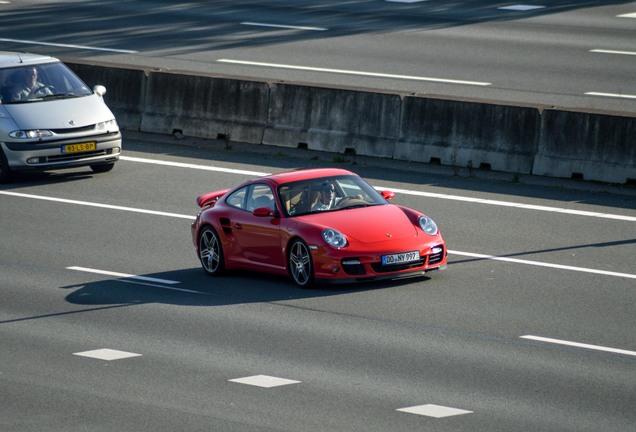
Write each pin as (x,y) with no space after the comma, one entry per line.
(325,225)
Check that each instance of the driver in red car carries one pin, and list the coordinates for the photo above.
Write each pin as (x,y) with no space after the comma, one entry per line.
(325,197)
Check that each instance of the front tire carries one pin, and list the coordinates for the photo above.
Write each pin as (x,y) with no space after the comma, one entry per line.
(102,168)
(301,267)
(211,252)
(5,171)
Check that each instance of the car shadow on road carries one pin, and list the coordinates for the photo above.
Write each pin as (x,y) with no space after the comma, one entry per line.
(192,287)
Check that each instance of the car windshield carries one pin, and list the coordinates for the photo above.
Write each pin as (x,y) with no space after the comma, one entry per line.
(327,194)
(37,83)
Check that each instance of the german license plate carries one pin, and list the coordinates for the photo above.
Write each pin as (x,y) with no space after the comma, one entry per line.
(400,258)
(80,147)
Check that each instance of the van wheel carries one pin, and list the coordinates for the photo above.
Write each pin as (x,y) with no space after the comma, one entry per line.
(102,168)
(5,171)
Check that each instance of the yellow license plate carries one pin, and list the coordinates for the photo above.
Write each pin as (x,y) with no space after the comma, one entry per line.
(81,147)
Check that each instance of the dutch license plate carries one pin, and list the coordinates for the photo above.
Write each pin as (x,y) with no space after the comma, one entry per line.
(400,258)
(81,147)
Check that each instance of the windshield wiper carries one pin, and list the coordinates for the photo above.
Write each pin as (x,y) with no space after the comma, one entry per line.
(58,96)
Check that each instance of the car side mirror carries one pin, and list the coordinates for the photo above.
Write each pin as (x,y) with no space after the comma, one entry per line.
(263,212)
(387,195)
(100,90)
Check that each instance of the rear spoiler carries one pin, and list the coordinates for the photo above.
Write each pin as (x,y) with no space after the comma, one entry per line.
(210,198)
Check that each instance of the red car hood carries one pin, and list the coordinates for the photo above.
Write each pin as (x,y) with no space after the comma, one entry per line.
(368,224)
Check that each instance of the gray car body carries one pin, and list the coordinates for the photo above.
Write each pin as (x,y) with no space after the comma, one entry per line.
(68,121)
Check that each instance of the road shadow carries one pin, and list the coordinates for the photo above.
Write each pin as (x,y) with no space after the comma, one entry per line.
(219,25)
(193,287)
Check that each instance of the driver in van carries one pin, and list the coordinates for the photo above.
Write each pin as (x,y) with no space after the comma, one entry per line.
(26,85)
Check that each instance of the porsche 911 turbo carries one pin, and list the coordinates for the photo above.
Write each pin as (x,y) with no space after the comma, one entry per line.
(315,225)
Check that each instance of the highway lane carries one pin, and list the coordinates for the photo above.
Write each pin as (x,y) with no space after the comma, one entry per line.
(565,54)
(355,355)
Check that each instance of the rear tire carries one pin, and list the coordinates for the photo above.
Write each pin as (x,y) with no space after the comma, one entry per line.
(211,252)
(301,267)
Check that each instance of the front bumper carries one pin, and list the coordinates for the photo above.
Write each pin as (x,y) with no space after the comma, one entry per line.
(359,268)
(49,156)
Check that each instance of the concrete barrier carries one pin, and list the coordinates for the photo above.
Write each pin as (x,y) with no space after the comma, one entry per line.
(517,139)
(124,90)
(333,120)
(468,134)
(206,107)
(587,146)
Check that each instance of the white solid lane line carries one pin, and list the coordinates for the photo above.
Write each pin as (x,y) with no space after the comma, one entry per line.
(30,42)
(401,191)
(543,264)
(579,345)
(92,204)
(352,72)
(612,95)
(468,254)
(193,166)
(511,204)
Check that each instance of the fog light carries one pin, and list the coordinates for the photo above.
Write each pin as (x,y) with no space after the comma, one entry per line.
(35,160)
(436,249)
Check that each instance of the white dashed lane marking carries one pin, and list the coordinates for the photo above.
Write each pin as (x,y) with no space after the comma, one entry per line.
(436,411)
(264,381)
(107,354)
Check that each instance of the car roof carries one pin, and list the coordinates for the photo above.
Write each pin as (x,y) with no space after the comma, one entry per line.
(306,174)
(11,59)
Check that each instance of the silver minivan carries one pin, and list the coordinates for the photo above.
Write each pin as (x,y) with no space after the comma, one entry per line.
(50,119)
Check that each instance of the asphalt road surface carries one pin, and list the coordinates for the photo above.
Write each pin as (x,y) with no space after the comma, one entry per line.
(569,54)
(107,321)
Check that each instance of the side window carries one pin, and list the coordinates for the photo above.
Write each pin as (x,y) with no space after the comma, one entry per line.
(237,199)
(261,196)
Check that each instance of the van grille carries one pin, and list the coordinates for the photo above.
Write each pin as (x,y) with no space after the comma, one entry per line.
(73,130)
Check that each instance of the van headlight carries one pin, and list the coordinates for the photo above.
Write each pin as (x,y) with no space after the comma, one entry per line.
(110,125)
(30,134)
(428,225)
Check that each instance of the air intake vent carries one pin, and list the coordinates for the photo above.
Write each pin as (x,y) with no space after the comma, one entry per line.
(74,130)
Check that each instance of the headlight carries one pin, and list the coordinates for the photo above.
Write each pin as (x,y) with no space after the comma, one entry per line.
(427,225)
(30,134)
(107,125)
(334,238)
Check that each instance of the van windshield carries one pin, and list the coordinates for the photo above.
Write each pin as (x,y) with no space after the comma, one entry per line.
(36,83)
